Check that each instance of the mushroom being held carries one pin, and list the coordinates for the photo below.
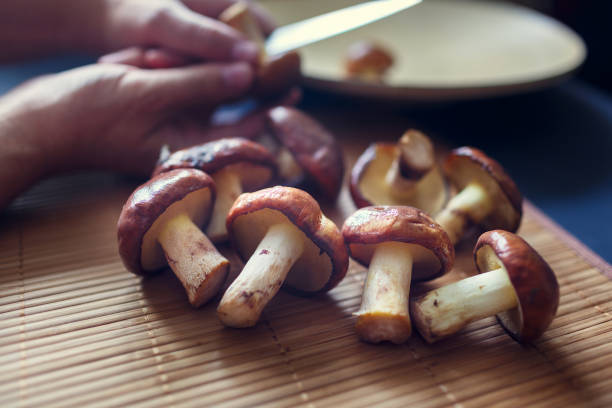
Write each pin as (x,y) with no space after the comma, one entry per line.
(486,196)
(235,164)
(399,174)
(399,244)
(160,225)
(276,73)
(514,283)
(288,241)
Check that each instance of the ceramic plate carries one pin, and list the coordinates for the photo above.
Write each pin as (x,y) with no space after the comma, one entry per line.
(444,50)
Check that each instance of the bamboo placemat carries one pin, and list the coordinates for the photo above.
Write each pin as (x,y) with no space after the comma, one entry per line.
(77,329)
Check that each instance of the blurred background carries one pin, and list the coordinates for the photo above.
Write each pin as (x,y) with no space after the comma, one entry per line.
(556,142)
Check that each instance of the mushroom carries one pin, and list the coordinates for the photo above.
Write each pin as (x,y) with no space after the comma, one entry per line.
(399,244)
(235,164)
(277,73)
(514,283)
(160,225)
(486,196)
(399,174)
(308,155)
(367,61)
(286,239)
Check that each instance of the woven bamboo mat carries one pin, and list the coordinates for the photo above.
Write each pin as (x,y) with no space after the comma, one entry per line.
(76,329)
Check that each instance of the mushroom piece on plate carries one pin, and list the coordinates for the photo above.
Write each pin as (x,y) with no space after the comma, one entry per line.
(367,61)
(514,283)
(286,240)
(160,225)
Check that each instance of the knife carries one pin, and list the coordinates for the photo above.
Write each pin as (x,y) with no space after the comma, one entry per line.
(296,35)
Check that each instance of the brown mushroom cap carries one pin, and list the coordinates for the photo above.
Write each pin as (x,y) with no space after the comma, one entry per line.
(277,74)
(431,248)
(368,186)
(312,146)
(366,56)
(255,165)
(324,261)
(467,164)
(533,280)
(153,204)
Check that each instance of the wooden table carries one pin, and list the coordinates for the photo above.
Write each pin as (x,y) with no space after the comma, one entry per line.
(77,329)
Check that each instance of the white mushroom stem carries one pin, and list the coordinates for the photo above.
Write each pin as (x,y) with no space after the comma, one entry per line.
(446,310)
(384,307)
(193,258)
(399,184)
(470,206)
(229,187)
(262,276)
(288,167)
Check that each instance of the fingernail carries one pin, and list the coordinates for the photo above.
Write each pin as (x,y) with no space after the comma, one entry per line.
(245,51)
(238,76)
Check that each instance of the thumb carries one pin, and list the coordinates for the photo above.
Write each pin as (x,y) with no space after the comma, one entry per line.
(203,84)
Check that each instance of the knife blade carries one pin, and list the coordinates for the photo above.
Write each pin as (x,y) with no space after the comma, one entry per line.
(296,35)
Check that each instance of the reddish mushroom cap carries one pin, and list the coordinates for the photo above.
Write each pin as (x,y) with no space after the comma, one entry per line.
(467,164)
(433,252)
(313,147)
(324,261)
(368,185)
(533,280)
(365,56)
(255,164)
(144,213)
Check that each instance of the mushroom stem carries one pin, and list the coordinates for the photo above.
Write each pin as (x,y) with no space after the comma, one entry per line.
(470,206)
(397,182)
(193,258)
(444,311)
(262,276)
(288,168)
(229,187)
(384,307)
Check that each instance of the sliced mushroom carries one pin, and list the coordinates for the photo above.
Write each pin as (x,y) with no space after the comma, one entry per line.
(277,73)
(308,155)
(514,283)
(401,174)
(160,226)
(286,239)
(235,164)
(399,244)
(486,196)
(367,61)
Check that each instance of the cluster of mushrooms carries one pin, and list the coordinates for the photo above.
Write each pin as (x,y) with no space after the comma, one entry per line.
(212,193)
(406,228)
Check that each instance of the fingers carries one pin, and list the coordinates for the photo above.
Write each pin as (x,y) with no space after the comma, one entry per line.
(153,58)
(193,34)
(204,84)
(213,8)
(133,56)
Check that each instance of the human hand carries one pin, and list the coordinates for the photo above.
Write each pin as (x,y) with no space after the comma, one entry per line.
(114,117)
(175,32)
(187,28)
